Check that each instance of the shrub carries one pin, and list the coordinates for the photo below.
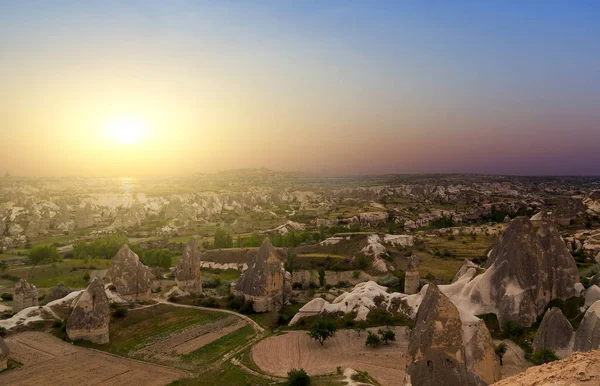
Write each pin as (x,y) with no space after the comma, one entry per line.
(2,331)
(120,313)
(209,302)
(355,274)
(362,262)
(321,277)
(236,303)
(248,307)
(387,336)
(43,254)
(298,378)
(544,356)
(6,296)
(372,340)
(500,351)
(512,330)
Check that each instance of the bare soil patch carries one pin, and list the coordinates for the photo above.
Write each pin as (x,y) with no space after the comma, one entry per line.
(278,354)
(50,361)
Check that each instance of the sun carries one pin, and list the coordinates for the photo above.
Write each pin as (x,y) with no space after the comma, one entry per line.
(126,130)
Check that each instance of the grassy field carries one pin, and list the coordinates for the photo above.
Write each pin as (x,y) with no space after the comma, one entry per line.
(141,327)
(70,272)
(215,350)
(227,374)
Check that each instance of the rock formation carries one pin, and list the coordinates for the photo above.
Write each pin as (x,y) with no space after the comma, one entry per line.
(587,336)
(26,295)
(4,351)
(90,317)
(58,292)
(528,267)
(592,295)
(265,281)
(467,264)
(129,276)
(187,273)
(555,332)
(445,350)
(411,280)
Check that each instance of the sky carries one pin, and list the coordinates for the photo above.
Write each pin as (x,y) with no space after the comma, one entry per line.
(136,88)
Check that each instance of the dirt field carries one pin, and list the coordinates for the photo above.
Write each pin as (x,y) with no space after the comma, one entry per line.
(277,355)
(50,361)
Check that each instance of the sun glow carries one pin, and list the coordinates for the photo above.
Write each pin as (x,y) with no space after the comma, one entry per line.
(127,130)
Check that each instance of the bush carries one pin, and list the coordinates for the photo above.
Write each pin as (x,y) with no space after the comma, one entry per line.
(120,313)
(362,262)
(500,351)
(43,254)
(298,378)
(102,248)
(372,340)
(248,307)
(321,277)
(6,296)
(544,356)
(355,274)
(512,330)
(387,336)
(236,303)
(2,331)
(209,302)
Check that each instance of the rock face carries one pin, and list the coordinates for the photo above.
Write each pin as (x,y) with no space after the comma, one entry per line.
(26,295)
(266,281)
(445,350)
(58,292)
(467,264)
(555,333)
(411,280)
(529,267)
(4,351)
(129,276)
(587,336)
(90,317)
(187,272)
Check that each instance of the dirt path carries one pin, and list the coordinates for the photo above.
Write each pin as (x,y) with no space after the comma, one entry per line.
(49,361)
(276,355)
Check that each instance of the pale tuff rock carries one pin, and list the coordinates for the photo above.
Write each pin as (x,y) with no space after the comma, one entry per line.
(587,336)
(592,295)
(129,276)
(411,280)
(265,281)
(130,217)
(289,226)
(445,350)
(90,317)
(579,369)
(555,332)
(84,217)
(26,295)
(467,265)
(187,273)
(4,352)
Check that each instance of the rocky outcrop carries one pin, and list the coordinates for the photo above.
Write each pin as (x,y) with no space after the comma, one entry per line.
(592,295)
(187,273)
(4,351)
(587,336)
(467,265)
(411,280)
(579,369)
(446,350)
(84,217)
(265,281)
(529,267)
(26,295)
(129,276)
(58,292)
(555,332)
(90,317)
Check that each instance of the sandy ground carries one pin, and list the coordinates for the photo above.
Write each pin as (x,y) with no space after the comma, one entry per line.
(49,361)
(278,354)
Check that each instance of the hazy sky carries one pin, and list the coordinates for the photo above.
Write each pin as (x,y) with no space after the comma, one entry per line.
(333,87)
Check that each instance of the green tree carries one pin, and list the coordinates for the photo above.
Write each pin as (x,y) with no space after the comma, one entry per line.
(289,263)
(362,262)
(297,378)
(322,330)
(500,351)
(372,340)
(360,326)
(222,239)
(387,335)
(322,277)
(43,254)
(544,356)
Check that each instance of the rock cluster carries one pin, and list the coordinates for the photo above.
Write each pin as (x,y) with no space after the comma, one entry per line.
(129,276)
(90,317)
(446,350)
(265,281)
(4,351)
(26,295)
(587,336)
(555,332)
(187,273)
(411,280)
(58,292)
